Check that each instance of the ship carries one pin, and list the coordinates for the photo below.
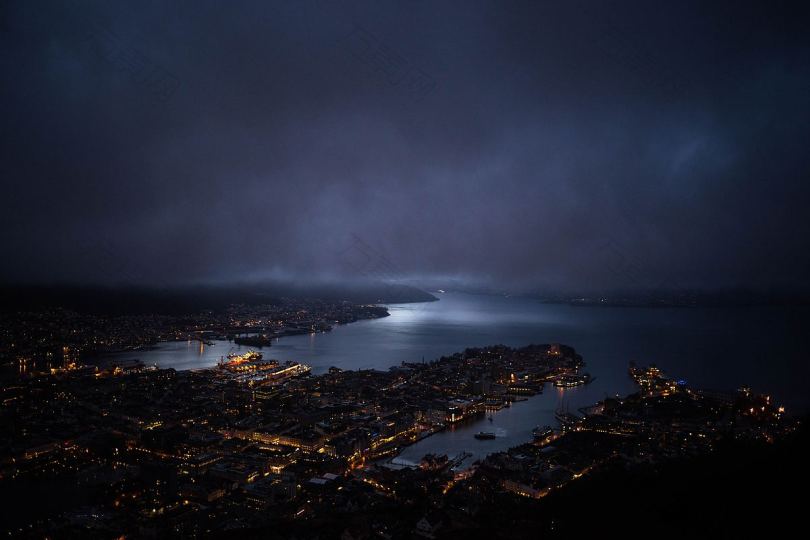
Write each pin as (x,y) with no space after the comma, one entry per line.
(286,371)
(484,435)
(250,356)
(251,360)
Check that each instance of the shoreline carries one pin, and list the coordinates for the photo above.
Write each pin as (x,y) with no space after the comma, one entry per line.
(110,355)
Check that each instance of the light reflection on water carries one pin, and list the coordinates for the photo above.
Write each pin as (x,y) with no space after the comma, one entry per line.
(512,426)
(710,347)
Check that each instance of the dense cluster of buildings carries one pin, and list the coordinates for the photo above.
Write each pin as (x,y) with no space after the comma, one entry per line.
(665,420)
(146,452)
(57,339)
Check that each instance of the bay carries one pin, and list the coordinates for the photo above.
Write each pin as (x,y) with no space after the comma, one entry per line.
(712,348)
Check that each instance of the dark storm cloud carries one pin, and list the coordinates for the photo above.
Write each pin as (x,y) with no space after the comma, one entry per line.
(521,144)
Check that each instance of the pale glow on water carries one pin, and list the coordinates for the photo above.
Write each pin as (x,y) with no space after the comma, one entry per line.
(766,348)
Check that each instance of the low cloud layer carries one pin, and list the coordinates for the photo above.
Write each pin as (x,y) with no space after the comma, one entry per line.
(528,145)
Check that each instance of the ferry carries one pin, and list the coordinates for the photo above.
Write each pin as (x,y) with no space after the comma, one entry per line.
(484,435)
(288,370)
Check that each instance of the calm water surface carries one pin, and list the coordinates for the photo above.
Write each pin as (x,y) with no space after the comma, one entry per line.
(717,348)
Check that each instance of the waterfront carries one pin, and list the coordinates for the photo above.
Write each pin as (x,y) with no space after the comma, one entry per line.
(716,348)
(512,426)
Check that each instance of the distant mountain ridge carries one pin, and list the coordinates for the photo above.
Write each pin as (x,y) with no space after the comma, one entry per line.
(127,300)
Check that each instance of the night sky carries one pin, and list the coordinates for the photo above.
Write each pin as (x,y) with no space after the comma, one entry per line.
(519,145)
